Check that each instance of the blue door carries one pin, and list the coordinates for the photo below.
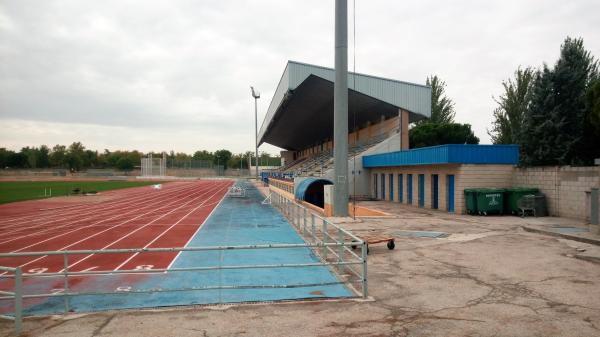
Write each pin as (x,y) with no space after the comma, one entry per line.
(434,186)
(409,186)
(382,186)
(421,190)
(450,195)
(400,189)
(375,185)
(391,187)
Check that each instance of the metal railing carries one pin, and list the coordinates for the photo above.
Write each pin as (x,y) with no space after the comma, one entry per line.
(322,232)
(16,296)
(332,245)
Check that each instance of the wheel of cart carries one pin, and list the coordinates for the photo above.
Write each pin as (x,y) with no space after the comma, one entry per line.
(371,240)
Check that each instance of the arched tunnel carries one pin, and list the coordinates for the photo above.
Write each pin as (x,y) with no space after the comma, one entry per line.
(312,190)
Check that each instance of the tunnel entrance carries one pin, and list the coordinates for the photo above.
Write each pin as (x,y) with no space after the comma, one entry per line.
(312,190)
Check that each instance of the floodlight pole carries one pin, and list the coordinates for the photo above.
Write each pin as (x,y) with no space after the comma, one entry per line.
(256,96)
(340,111)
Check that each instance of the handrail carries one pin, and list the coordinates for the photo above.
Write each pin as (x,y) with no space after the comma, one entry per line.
(17,295)
(331,244)
(171,250)
(304,221)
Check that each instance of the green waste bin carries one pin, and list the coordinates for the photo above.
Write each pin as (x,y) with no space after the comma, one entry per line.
(471,200)
(490,200)
(514,194)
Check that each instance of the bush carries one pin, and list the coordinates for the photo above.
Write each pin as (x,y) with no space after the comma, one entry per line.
(431,134)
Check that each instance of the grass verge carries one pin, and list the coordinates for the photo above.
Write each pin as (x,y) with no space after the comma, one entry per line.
(11,191)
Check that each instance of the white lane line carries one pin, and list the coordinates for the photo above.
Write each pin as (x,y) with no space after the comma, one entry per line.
(149,204)
(140,228)
(153,210)
(197,230)
(168,229)
(43,221)
(124,194)
(93,210)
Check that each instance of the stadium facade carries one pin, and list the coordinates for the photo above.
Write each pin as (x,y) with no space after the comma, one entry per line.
(299,120)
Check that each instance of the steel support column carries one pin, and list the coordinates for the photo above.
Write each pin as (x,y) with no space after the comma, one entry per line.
(340,111)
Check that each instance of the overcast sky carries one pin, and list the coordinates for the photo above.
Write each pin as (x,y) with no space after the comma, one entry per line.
(175,75)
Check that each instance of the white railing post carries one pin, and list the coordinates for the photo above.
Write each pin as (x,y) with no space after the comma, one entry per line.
(18,301)
(304,224)
(66,281)
(364,271)
(312,220)
(341,242)
(324,241)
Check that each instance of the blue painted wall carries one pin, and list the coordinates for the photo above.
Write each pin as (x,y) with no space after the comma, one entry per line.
(447,154)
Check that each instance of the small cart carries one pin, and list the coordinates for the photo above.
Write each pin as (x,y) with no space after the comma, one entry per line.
(371,240)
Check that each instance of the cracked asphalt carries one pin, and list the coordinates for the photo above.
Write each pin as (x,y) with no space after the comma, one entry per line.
(487,278)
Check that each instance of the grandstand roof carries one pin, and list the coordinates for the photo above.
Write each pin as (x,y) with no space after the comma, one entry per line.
(301,111)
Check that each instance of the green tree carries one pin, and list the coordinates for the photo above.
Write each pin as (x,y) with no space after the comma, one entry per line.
(222,158)
(125,164)
(58,156)
(553,128)
(431,134)
(31,154)
(75,156)
(593,104)
(43,156)
(512,105)
(442,107)
(203,155)
(4,157)
(16,160)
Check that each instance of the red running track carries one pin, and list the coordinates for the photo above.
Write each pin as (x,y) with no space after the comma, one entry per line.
(140,217)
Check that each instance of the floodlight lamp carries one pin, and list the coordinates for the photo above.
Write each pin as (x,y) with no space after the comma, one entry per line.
(255,94)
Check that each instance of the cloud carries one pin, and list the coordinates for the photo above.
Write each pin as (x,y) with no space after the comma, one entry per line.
(176,74)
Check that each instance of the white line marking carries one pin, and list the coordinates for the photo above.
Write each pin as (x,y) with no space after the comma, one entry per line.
(175,224)
(196,232)
(153,210)
(139,228)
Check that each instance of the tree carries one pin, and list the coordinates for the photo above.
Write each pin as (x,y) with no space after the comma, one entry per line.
(431,134)
(221,157)
(553,128)
(512,105)
(125,164)
(203,155)
(43,156)
(593,102)
(58,156)
(442,107)
(31,154)
(16,160)
(4,157)
(75,156)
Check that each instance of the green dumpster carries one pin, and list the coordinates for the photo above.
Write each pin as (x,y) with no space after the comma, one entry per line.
(513,195)
(470,200)
(490,200)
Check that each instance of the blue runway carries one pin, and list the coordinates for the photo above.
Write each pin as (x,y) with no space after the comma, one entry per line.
(236,221)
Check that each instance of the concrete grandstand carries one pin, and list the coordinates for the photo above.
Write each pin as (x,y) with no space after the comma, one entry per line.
(300,120)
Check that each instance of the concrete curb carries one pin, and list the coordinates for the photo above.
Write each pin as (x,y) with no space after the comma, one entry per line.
(561,235)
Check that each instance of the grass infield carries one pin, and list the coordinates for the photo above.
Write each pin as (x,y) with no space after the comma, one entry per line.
(11,191)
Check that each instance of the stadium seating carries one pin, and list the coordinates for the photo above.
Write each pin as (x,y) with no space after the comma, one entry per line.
(316,165)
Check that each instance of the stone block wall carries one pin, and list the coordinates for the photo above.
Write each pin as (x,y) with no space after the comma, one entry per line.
(567,188)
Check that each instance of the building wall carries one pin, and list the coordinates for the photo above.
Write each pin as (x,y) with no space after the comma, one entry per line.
(481,176)
(567,188)
(442,172)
